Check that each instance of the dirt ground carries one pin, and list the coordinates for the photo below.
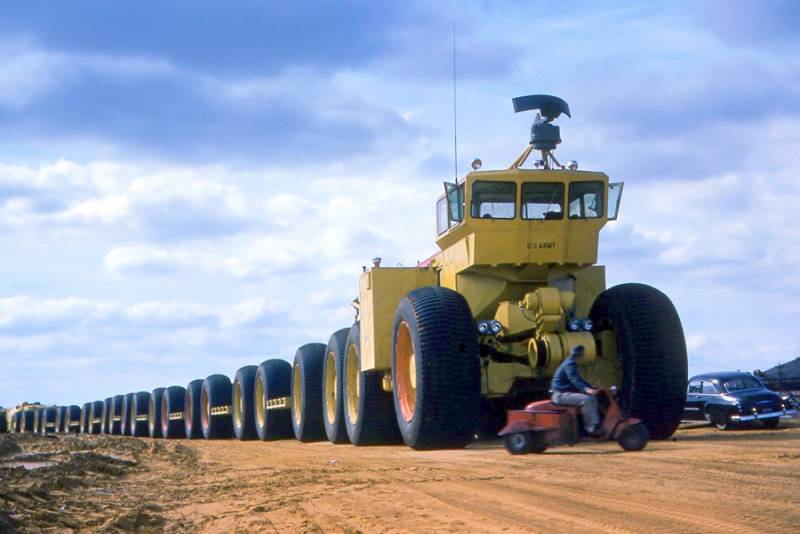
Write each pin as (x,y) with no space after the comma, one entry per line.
(703,480)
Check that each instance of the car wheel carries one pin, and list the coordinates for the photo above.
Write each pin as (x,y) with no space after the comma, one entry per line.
(772,423)
(721,421)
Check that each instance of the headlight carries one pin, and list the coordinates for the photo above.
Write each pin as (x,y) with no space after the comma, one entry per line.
(483,327)
(495,327)
(587,325)
(574,324)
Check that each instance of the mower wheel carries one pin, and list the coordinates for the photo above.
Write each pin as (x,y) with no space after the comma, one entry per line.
(215,407)
(436,374)
(368,415)
(307,392)
(525,442)
(332,375)
(192,415)
(173,405)
(244,424)
(273,388)
(652,348)
(634,438)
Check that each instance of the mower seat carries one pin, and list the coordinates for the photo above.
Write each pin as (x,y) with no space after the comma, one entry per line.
(550,406)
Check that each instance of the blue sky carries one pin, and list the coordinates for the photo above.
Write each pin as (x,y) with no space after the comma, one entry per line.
(189,187)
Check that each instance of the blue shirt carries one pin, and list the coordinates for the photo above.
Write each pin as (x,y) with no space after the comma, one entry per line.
(567,379)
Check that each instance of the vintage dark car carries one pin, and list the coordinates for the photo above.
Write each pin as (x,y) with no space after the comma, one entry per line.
(727,399)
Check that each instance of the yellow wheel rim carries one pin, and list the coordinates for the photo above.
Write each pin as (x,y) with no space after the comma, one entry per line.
(261,407)
(405,372)
(204,408)
(352,382)
(238,403)
(297,396)
(331,386)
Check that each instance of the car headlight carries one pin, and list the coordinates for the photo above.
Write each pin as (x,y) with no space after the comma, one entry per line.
(495,326)
(483,327)
(587,325)
(574,324)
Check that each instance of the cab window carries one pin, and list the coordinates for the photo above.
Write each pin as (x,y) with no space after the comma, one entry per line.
(542,201)
(493,200)
(586,200)
(695,387)
(450,207)
(441,215)
(709,388)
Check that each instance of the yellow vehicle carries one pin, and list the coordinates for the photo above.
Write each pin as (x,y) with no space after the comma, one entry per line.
(439,351)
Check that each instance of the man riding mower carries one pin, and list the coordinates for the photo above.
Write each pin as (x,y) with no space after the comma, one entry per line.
(544,424)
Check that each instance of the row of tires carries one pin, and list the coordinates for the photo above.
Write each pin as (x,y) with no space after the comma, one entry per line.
(256,404)
(322,394)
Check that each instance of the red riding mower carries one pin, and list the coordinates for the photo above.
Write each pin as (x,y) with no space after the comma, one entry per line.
(543,424)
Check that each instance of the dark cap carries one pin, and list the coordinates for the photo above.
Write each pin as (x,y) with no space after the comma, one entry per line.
(578,351)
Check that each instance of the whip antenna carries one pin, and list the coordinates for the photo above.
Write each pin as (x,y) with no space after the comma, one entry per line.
(455,119)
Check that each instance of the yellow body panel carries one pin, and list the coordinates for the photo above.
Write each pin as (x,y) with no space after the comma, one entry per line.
(380,291)
(530,275)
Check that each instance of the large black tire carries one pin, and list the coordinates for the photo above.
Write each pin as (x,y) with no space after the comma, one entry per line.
(215,407)
(435,346)
(273,388)
(96,414)
(61,419)
(154,413)
(244,417)
(37,421)
(307,392)
(137,414)
(86,418)
(105,425)
(3,422)
(368,414)
(652,348)
(73,420)
(48,420)
(173,416)
(192,412)
(28,422)
(115,419)
(127,406)
(332,387)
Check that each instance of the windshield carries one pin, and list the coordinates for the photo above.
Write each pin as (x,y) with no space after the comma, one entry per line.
(739,383)
(493,200)
(542,201)
(586,200)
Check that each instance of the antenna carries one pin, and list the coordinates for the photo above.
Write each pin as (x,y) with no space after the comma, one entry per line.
(455,115)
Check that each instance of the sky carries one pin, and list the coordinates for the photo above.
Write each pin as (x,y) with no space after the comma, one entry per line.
(190,187)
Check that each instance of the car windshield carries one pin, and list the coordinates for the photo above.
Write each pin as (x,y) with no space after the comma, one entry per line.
(739,383)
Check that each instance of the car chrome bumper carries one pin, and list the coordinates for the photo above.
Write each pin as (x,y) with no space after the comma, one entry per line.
(768,415)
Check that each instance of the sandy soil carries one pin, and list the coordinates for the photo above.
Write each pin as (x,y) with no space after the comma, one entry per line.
(703,480)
